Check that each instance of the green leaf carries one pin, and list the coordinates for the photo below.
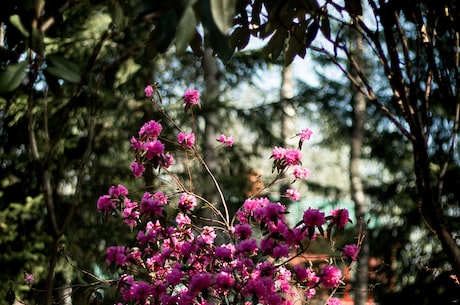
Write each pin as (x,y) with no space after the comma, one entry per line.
(16,22)
(63,68)
(222,13)
(276,44)
(186,29)
(11,77)
(116,13)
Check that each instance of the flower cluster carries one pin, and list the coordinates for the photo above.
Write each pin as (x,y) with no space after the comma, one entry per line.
(149,149)
(244,261)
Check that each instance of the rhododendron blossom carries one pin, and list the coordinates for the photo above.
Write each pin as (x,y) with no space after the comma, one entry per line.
(331,276)
(179,260)
(191,97)
(227,140)
(350,251)
(187,139)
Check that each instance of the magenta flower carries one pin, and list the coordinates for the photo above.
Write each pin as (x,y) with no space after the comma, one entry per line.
(280,250)
(153,149)
(334,301)
(305,134)
(117,191)
(137,169)
(117,255)
(243,231)
(350,251)
(339,217)
(186,139)
(149,91)
(224,280)
(191,97)
(313,217)
(226,140)
(331,276)
(105,203)
(150,130)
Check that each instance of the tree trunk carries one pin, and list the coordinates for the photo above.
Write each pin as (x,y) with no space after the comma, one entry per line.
(357,192)
(210,114)
(287,116)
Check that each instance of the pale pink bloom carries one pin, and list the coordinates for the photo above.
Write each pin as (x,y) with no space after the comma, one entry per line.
(292,156)
(278,153)
(29,278)
(305,134)
(300,172)
(226,140)
(293,194)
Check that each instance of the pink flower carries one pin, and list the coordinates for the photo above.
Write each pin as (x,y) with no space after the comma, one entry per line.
(29,278)
(334,301)
(331,276)
(226,140)
(313,217)
(187,139)
(137,169)
(117,191)
(153,149)
(339,217)
(117,255)
(182,220)
(300,173)
(105,203)
(293,194)
(208,235)
(187,202)
(305,134)
(278,153)
(191,97)
(350,251)
(149,91)
(292,156)
(150,130)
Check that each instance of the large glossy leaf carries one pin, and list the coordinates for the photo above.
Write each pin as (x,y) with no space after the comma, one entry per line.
(63,68)
(186,29)
(222,13)
(11,77)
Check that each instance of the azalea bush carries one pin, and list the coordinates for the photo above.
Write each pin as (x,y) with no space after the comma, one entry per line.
(246,258)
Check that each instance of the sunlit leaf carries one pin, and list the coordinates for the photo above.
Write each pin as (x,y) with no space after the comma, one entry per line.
(222,13)
(16,22)
(11,77)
